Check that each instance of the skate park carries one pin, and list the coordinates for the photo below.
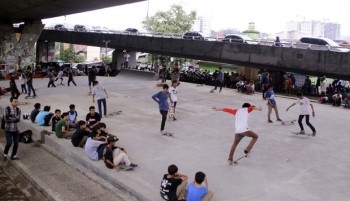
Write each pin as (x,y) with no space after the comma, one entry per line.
(282,166)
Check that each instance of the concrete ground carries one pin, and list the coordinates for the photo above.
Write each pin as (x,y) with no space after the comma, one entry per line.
(282,166)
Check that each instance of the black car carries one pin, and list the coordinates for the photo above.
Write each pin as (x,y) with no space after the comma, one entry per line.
(80,28)
(132,30)
(193,35)
(60,27)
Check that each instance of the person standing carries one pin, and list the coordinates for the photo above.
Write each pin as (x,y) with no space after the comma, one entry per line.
(242,128)
(30,82)
(126,60)
(303,103)
(220,79)
(92,77)
(173,95)
(101,94)
(12,116)
(13,86)
(271,104)
(22,79)
(71,77)
(323,86)
(162,99)
(60,76)
(173,185)
(51,77)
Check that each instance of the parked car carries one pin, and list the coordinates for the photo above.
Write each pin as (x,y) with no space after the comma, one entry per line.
(100,29)
(319,42)
(80,28)
(194,35)
(60,27)
(238,38)
(132,30)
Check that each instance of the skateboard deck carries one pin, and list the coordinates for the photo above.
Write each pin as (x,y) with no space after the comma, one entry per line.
(23,103)
(235,162)
(30,97)
(171,113)
(169,134)
(115,113)
(125,168)
(288,122)
(298,133)
(212,91)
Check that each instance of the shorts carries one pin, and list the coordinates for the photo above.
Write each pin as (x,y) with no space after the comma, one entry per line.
(91,82)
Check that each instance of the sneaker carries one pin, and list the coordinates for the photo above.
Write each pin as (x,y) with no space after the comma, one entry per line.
(246,151)
(163,132)
(174,119)
(302,132)
(4,158)
(269,121)
(133,165)
(230,161)
(14,158)
(279,119)
(314,134)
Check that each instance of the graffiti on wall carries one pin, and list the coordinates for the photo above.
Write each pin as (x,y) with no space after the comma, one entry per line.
(46,51)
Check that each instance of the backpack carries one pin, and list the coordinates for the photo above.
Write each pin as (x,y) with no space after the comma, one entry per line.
(26,136)
(3,117)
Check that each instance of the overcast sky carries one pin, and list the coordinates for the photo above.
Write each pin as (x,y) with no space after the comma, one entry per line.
(270,16)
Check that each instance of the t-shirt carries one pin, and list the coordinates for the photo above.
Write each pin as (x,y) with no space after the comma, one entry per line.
(168,188)
(54,122)
(91,149)
(61,123)
(173,94)
(98,91)
(271,95)
(92,75)
(242,115)
(33,115)
(195,193)
(40,118)
(60,73)
(29,78)
(324,86)
(303,103)
(92,119)
(162,99)
(78,136)
(109,156)
(72,115)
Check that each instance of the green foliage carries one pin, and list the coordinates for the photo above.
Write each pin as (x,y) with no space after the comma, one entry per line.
(79,58)
(68,54)
(175,20)
(107,60)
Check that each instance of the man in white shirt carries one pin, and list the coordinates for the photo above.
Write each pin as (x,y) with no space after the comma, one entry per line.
(60,76)
(242,128)
(101,94)
(337,99)
(304,102)
(323,86)
(173,95)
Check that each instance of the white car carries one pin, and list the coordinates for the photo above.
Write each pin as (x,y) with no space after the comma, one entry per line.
(238,38)
(318,43)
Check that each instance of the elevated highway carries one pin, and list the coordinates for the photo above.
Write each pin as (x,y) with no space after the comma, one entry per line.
(305,61)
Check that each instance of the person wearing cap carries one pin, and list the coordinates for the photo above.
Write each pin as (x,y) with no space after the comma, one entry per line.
(242,128)
(114,155)
(303,103)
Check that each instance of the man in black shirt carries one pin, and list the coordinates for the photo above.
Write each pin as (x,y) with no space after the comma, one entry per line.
(30,82)
(92,77)
(35,112)
(114,155)
(173,185)
(80,135)
(55,119)
(93,118)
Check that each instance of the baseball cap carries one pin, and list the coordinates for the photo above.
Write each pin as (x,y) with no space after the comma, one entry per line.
(112,139)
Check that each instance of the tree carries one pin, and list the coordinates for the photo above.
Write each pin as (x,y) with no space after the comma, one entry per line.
(174,20)
(68,54)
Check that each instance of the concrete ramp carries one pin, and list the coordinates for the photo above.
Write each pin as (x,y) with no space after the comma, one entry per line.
(137,75)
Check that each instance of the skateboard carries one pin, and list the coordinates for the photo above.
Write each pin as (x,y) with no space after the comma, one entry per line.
(125,168)
(212,91)
(30,97)
(298,133)
(23,103)
(288,122)
(235,162)
(169,134)
(115,113)
(62,84)
(171,113)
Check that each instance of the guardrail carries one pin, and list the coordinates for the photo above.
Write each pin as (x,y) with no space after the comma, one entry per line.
(345,49)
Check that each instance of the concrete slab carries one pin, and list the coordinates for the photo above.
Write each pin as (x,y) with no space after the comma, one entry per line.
(282,166)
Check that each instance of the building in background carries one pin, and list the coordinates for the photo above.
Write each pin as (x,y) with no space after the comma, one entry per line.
(252,32)
(316,28)
(202,24)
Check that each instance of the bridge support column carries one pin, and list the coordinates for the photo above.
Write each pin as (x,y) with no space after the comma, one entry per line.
(45,51)
(119,60)
(248,72)
(17,44)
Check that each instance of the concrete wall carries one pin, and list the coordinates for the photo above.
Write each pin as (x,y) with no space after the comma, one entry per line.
(312,62)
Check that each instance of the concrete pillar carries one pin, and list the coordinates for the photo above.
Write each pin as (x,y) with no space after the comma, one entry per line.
(249,73)
(132,60)
(117,60)
(45,51)
(17,45)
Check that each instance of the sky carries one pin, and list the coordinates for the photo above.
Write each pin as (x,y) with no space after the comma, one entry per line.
(269,16)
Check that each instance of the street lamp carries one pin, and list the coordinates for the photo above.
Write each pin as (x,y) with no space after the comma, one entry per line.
(106,42)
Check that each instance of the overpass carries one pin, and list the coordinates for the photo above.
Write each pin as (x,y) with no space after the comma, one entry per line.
(17,47)
(304,61)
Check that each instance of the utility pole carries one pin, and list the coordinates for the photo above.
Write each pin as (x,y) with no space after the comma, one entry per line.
(106,43)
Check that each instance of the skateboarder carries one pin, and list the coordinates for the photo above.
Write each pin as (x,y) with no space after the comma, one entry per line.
(173,95)
(271,104)
(242,128)
(162,99)
(304,102)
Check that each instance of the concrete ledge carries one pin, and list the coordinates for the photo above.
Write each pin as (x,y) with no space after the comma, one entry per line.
(137,74)
(75,157)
